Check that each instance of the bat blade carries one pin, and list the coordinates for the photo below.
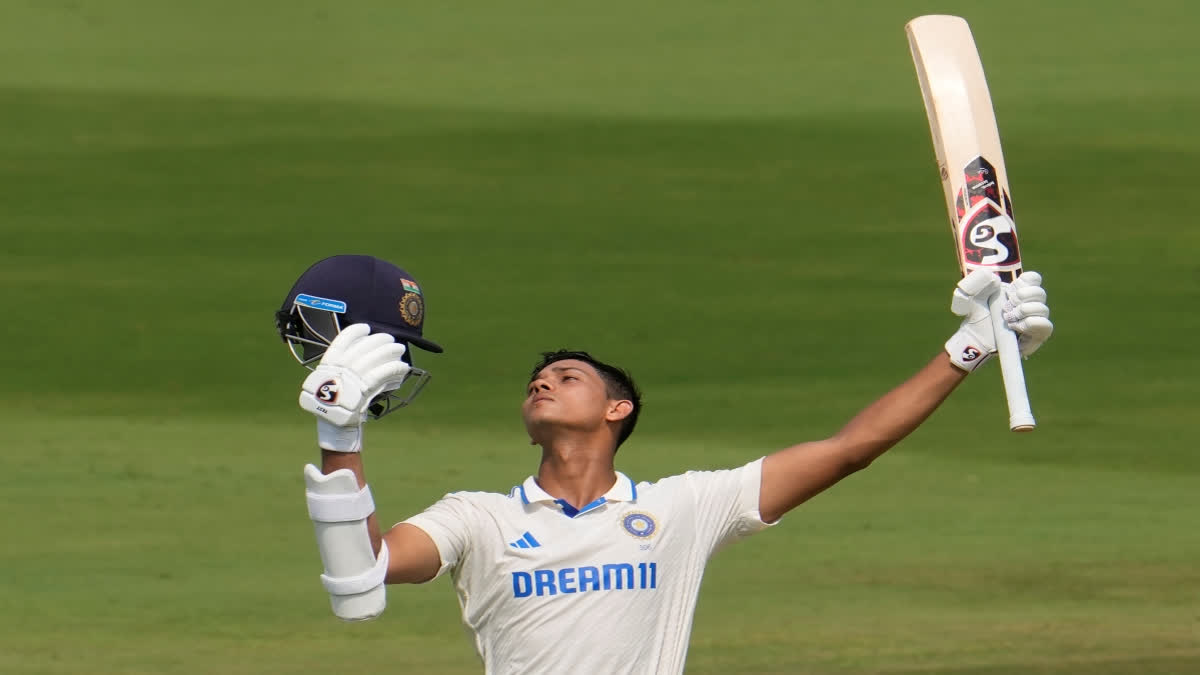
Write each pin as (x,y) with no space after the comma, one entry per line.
(966,142)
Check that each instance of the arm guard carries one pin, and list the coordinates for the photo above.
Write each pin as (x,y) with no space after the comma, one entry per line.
(354,576)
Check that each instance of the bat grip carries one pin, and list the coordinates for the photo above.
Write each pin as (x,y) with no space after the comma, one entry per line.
(1020,415)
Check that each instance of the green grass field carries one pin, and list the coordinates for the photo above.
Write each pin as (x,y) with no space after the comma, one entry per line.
(735,200)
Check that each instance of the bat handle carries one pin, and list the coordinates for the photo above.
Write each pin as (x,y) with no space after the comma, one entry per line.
(1020,415)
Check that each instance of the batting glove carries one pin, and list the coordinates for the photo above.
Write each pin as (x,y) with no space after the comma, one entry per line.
(1024,310)
(355,368)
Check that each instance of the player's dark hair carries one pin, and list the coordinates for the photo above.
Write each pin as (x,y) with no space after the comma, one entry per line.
(618,384)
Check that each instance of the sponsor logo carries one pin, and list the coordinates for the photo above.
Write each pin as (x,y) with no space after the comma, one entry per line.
(970,354)
(640,525)
(989,238)
(979,182)
(412,309)
(585,579)
(526,541)
(321,303)
(328,392)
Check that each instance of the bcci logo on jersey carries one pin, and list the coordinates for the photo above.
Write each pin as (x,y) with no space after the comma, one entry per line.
(640,525)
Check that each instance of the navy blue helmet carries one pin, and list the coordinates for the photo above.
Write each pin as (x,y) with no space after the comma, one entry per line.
(347,289)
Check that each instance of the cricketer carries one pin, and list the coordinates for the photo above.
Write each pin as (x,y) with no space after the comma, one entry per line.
(578,568)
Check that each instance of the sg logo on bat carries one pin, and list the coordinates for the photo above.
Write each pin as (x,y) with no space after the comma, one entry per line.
(990,239)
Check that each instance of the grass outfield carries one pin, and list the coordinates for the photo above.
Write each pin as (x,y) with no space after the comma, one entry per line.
(176,555)
(737,202)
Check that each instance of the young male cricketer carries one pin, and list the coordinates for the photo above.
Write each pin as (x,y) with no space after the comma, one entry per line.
(579,568)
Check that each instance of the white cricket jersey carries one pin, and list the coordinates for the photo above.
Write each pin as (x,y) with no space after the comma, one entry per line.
(606,589)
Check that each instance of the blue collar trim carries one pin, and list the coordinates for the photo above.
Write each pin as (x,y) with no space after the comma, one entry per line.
(570,511)
(618,493)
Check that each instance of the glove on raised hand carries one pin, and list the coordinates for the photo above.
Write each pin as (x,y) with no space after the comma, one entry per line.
(355,368)
(1024,310)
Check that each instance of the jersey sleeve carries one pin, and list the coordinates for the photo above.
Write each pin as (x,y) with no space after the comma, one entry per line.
(726,504)
(448,523)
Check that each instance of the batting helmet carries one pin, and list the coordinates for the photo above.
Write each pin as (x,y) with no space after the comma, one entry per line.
(346,289)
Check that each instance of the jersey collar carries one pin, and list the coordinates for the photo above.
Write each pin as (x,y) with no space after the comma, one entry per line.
(623,490)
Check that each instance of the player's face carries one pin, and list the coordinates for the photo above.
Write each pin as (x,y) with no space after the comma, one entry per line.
(566,394)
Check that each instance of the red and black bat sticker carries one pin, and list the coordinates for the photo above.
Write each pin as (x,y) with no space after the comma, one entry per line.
(988,234)
(980,185)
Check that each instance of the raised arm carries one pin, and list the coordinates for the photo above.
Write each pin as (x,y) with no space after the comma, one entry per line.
(413,558)
(794,475)
(356,367)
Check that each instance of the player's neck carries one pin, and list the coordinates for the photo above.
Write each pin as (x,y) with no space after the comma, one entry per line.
(578,472)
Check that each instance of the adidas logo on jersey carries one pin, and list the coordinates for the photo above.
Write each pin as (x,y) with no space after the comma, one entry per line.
(526,541)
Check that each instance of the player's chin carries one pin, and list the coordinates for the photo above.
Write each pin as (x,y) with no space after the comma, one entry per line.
(549,423)
(536,418)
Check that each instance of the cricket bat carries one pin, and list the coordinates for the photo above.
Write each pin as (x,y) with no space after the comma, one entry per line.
(966,141)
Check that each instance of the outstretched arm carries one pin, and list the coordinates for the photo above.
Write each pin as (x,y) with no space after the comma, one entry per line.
(794,475)
(355,368)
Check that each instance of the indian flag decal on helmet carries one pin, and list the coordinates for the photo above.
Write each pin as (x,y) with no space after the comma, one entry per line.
(410,286)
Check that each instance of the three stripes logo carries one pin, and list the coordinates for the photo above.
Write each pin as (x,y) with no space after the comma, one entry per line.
(526,541)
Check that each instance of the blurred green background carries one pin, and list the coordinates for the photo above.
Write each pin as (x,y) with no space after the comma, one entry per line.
(737,201)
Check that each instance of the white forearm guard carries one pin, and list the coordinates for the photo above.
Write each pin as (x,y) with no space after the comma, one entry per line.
(353,575)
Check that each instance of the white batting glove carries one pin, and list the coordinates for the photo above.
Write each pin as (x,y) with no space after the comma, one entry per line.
(1024,310)
(356,368)
(975,341)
